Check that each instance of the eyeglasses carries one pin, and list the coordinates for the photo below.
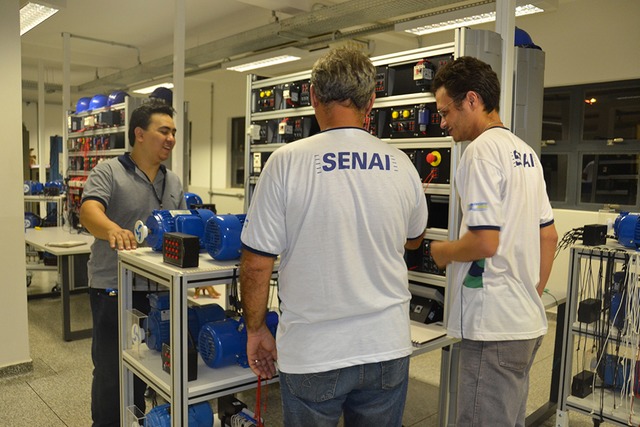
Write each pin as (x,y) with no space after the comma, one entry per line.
(443,111)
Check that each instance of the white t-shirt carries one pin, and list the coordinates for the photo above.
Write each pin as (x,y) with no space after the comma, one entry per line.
(501,186)
(338,208)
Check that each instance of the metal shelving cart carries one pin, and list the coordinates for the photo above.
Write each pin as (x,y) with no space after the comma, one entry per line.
(137,359)
(600,341)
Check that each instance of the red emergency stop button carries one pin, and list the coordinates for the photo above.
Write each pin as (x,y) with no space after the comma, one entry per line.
(434,158)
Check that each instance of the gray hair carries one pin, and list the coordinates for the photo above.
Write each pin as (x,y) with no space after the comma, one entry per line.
(344,74)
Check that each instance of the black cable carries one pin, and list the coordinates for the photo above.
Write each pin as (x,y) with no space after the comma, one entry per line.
(569,238)
(234,298)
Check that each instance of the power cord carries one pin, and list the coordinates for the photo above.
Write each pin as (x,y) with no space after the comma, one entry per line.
(569,238)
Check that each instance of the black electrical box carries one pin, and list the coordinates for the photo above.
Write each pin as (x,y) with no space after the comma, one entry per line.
(582,384)
(228,406)
(425,310)
(594,235)
(181,249)
(589,310)
(110,118)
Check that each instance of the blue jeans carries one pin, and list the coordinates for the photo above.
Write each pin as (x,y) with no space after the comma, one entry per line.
(493,382)
(105,388)
(369,395)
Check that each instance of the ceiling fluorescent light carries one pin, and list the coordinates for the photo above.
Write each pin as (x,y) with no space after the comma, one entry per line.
(148,89)
(266,59)
(460,18)
(35,12)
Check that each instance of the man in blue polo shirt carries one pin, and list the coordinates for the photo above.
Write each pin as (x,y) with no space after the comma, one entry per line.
(118,192)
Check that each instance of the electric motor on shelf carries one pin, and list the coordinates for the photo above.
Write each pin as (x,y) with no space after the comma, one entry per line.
(53,188)
(31,220)
(33,187)
(222,236)
(187,221)
(192,199)
(626,229)
(200,415)
(224,343)
(158,326)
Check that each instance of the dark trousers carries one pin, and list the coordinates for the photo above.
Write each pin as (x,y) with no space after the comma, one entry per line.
(105,388)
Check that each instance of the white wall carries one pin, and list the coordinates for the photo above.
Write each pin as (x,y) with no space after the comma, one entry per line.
(588,41)
(212,105)
(14,334)
(566,220)
(52,126)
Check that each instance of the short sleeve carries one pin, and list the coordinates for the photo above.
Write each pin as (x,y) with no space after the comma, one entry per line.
(264,228)
(98,185)
(482,204)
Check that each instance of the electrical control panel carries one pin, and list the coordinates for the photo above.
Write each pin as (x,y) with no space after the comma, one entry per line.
(385,77)
(296,94)
(376,123)
(420,260)
(433,164)
(267,99)
(259,159)
(415,121)
(405,121)
(409,76)
(264,132)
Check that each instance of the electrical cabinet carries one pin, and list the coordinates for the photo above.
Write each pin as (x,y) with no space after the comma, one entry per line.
(600,369)
(91,137)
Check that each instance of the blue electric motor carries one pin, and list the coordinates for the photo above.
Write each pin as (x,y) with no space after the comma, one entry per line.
(224,343)
(158,326)
(200,415)
(626,229)
(192,199)
(222,236)
(31,220)
(33,187)
(187,221)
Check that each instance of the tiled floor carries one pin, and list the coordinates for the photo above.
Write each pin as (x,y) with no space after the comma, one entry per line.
(57,392)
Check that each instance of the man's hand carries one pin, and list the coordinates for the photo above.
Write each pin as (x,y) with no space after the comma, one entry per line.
(120,239)
(261,352)
(438,254)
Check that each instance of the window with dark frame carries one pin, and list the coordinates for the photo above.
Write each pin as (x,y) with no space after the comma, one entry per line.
(591,145)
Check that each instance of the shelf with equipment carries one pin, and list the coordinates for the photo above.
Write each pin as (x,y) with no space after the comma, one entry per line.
(91,137)
(599,365)
(147,364)
(32,200)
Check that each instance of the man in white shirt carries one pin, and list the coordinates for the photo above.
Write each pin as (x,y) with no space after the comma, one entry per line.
(339,208)
(503,258)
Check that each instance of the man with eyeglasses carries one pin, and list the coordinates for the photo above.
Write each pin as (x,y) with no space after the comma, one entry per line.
(503,257)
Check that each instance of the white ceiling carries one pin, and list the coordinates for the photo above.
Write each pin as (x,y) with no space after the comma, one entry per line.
(216,31)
